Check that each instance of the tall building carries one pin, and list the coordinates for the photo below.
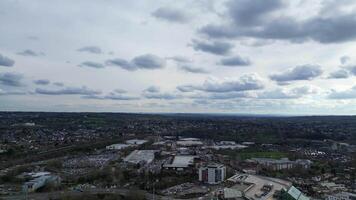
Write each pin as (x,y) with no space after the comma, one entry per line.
(212,173)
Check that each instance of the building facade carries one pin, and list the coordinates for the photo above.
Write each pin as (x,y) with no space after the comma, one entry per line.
(212,173)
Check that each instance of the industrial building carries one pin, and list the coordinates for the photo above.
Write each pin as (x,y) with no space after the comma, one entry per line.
(117,146)
(39,180)
(254,187)
(293,194)
(141,157)
(189,142)
(181,163)
(212,173)
(136,142)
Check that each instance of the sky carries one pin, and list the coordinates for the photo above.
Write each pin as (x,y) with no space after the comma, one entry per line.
(189,56)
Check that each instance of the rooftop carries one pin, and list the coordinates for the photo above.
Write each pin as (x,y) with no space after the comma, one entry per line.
(256,183)
(136,141)
(181,161)
(139,156)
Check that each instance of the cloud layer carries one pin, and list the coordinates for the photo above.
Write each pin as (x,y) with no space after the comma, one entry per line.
(171,15)
(235,61)
(216,47)
(257,19)
(270,56)
(298,73)
(11,79)
(6,62)
(243,83)
(146,61)
(91,49)
(68,91)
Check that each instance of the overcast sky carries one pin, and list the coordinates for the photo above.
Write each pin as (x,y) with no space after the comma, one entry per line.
(234,56)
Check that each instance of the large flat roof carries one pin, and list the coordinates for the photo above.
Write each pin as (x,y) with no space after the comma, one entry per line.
(255,184)
(181,161)
(138,156)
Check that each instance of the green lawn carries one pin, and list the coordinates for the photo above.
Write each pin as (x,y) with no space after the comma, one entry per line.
(233,154)
(265,154)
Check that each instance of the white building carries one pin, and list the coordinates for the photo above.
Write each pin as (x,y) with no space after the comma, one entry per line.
(341,196)
(180,163)
(136,142)
(40,180)
(141,157)
(117,146)
(212,173)
(254,187)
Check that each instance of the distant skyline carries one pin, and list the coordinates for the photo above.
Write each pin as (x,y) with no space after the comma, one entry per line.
(274,57)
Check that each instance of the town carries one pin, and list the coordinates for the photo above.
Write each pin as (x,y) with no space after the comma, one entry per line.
(146,156)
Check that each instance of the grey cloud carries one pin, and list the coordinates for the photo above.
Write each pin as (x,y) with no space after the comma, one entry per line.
(11,79)
(164,95)
(229,95)
(323,29)
(216,47)
(278,94)
(5,61)
(251,12)
(339,74)
(90,49)
(121,63)
(146,61)
(68,91)
(3,92)
(281,93)
(152,89)
(121,97)
(120,91)
(185,88)
(111,96)
(345,59)
(235,61)
(352,69)
(42,82)
(171,15)
(244,83)
(59,84)
(91,64)
(29,52)
(346,94)
(191,69)
(154,92)
(301,72)
(180,59)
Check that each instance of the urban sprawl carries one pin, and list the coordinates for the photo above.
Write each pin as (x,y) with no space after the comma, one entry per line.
(132,156)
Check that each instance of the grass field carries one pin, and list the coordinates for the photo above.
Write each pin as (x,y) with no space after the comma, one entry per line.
(274,155)
(253,154)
